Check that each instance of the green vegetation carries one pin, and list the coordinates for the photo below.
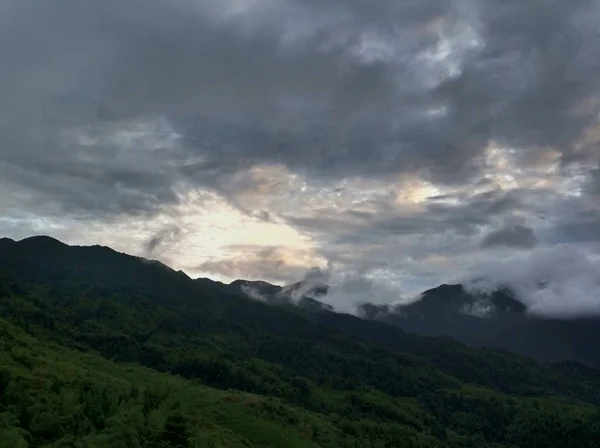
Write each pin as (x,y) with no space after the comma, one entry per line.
(52,396)
(102,349)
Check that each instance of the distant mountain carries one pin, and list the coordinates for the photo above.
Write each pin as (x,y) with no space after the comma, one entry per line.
(495,320)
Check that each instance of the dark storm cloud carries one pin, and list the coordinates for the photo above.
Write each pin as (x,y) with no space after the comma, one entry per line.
(332,88)
(516,236)
(521,78)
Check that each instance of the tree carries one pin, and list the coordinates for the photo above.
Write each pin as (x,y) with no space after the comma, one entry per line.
(176,433)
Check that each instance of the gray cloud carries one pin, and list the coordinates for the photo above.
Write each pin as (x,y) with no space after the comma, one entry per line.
(308,84)
(517,236)
(121,109)
(582,226)
(451,102)
(164,236)
(558,282)
(594,182)
(464,217)
(271,263)
(317,275)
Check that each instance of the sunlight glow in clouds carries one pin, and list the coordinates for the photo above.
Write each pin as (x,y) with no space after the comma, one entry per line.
(397,144)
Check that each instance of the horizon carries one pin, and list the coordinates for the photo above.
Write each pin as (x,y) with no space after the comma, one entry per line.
(228,282)
(349,296)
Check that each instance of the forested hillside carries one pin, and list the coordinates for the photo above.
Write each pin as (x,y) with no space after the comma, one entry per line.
(496,320)
(100,348)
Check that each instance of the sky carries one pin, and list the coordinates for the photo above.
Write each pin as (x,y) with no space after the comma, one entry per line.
(384,147)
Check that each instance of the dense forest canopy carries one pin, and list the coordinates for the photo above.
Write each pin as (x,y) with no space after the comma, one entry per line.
(100,348)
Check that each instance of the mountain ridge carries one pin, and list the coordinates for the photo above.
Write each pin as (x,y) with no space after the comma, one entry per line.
(495,320)
(370,382)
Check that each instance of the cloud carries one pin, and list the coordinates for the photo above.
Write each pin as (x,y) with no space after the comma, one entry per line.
(594,181)
(561,282)
(317,275)
(164,236)
(384,139)
(348,291)
(517,236)
(274,263)
(306,84)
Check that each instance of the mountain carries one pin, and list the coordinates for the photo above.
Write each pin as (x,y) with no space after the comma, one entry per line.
(51,395)
(303,294)
(495,320)
(100,348)
(6,243)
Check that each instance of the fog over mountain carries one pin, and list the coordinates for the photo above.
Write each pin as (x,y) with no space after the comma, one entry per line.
(386,146)
(558,282)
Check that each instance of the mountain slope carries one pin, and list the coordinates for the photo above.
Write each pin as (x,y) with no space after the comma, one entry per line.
(494,320)
(50,394)
(372,383)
